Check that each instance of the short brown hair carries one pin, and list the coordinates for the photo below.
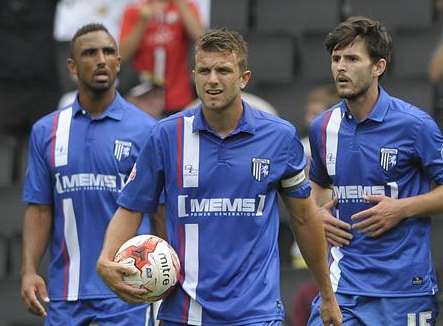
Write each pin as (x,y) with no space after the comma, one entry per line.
(374,33)
(88,28)
(224,40)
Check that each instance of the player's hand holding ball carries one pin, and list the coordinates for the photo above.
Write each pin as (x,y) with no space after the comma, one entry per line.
(154,263)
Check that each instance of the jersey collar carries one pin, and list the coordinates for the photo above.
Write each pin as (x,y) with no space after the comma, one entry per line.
(380,108)
(246,124)
(114,111)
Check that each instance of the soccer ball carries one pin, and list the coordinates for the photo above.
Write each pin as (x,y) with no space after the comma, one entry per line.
(157,264)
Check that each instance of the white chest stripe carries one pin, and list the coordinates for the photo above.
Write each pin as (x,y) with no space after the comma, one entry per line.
(191,154)
(332,140)
(62,138)
(73,248)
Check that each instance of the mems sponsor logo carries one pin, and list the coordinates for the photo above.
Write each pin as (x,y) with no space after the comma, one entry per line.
(355,193)
(89,181)
(220,206)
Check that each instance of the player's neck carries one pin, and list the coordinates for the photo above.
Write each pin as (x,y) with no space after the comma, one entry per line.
(362,105)
(223,122)
(96,103)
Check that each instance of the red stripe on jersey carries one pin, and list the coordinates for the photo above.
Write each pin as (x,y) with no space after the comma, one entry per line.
(324,126)
(181,251)
(53,138)
(180,153)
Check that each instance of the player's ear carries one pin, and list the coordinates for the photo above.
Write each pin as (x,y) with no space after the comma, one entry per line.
(245,77)
(379,67)
(119,62)
(72,67)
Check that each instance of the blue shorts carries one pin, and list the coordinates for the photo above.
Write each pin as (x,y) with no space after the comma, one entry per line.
(374,311)
(102,312)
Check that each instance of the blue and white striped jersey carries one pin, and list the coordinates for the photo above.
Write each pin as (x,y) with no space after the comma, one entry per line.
(79,165)
(396,152)
(222,212)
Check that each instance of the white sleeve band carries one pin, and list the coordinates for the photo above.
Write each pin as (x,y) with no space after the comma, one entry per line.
(294,181)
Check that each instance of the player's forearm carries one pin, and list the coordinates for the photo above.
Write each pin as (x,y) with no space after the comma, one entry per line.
(306,224)
(192,23)
(312,243)
(423,205)
(37,224)
(123,226)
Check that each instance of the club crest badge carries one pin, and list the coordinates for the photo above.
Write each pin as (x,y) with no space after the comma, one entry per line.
(260,168)
(122,149)
(388,158)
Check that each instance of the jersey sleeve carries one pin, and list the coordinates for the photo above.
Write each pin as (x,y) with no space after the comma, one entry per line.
(37,187)
(145,183)
(429,149)
(294,182)
(317,170)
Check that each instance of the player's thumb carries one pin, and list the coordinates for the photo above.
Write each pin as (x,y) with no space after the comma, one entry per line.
(43,292)
(330,204)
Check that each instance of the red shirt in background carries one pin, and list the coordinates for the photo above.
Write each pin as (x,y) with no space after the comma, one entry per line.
(163,52)
(302,303)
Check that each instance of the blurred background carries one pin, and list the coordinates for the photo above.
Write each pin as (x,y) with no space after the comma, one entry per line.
(291,77)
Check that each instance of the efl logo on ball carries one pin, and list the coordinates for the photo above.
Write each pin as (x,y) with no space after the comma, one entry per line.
(157,264)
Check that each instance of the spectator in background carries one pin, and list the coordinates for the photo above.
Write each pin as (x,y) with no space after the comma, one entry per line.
(147,95)
(155,37)
(318,100)
(70,15)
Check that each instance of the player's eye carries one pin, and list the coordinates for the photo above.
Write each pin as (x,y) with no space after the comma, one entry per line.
(109,51)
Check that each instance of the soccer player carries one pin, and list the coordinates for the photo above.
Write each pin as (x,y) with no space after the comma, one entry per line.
(378,155)
(79,159)
(222,165)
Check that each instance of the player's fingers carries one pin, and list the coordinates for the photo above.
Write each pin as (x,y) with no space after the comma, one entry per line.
(331,220)
(338,232)
(332,242)
(131,290)
(33,304)
(126,269)
(336,240)
(377,232)
(360,226)
(373,198)
(370,228)
(133,294)
(42,292)
(363,214)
